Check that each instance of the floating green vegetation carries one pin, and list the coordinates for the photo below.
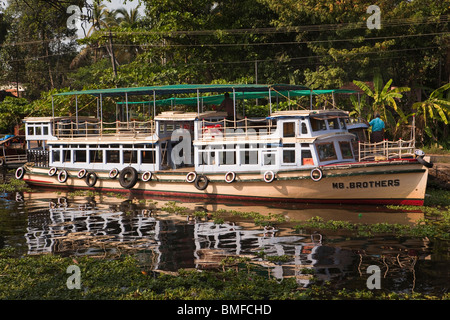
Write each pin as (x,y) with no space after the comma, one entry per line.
(435,225)
(82,193)
(173,207)
(45,277)
(14,185)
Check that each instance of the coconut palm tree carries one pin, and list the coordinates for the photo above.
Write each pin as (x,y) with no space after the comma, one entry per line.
(128,19)
(102,19)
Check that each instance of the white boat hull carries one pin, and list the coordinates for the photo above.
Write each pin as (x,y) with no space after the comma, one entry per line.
(381,182)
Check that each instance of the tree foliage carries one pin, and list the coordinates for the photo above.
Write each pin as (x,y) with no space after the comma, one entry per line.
(324,44)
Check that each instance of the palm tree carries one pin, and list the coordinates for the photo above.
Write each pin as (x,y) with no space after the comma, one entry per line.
(433,110)
(130,18)
(127,19)
(385,96)
(102,18)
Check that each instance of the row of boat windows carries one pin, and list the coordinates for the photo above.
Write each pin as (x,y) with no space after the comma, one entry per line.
(104,156)
(290,154)
(245,154)
(38,129)
(316,125)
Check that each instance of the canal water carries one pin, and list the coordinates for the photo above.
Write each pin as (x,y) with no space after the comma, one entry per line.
(110,225)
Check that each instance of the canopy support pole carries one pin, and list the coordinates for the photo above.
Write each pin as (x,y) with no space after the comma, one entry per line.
(334,102)
(270,102)
(76,111)
(126,104)
(154,104)
(234,106)
(101,114)
(198,103)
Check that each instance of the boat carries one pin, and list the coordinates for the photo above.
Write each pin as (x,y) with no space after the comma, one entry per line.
(310,156)
(13,151)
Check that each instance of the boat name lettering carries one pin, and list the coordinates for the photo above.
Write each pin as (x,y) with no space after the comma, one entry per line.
(366,184)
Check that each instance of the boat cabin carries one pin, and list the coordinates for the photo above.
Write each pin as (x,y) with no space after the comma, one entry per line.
(204,141)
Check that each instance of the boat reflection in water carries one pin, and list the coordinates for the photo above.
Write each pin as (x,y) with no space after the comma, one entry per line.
(167,242)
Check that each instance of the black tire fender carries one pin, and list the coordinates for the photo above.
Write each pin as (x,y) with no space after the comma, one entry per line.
(230,177)
(269,176)
(20,172)
(113,173)
(147,176)
(91,179)
(316,174)
(63,176)
(52,171)
(427,164)
(201,182)
(128,177)
(81,174)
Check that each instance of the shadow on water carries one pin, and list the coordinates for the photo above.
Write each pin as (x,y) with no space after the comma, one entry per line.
(107,226)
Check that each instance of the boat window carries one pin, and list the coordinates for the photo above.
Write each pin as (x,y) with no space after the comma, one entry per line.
(67,155)
(346,149)
(318,124)
(114,146)
(96,156)
(333,124)
(148,156)
(112,156)
(342,122)
(45,130)
(56,155)
(288,129)
(307,158)
(249,155)
(129,157)
(326,151)
(288,156)
(289,153)
(227,157)
(30,131)
(268,158)
(79,156)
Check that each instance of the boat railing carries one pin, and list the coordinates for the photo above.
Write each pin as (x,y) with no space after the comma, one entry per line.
(224,129)
(86,129)
(38,156)
(386,150)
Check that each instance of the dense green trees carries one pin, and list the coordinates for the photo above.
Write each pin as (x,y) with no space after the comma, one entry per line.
(323,44)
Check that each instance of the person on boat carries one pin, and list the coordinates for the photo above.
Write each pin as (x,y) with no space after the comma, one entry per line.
(228,106)
(377,125)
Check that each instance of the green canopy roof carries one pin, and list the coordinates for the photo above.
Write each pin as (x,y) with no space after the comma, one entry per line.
(185,88)
(217,99)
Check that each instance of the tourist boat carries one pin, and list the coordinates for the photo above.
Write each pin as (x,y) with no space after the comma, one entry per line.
(312,156)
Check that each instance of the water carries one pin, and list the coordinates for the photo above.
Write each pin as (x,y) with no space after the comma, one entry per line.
(105,226)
